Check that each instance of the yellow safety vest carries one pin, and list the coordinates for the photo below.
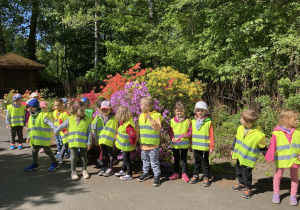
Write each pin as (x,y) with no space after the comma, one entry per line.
(17,115)
(286,154)
(56,114)
(200,138)
(107,135)
(123,142)
(246,148)
(179,129)
(78,134)
(147,134)
(40,133)
(99,124)
(64,116)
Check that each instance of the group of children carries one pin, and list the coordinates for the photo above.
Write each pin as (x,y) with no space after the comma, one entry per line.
(73,126)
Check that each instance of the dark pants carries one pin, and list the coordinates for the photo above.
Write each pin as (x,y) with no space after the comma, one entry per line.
(127,163)
(176,153)
(107,154)
(74,156)
(48,151)
(64,150)
(244,174)
(16,130)
(201,157)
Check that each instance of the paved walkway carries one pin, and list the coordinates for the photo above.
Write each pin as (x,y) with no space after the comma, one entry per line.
(41,189)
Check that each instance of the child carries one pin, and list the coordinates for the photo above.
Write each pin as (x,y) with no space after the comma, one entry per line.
(247,145)
(97,126)
(126,140)
(284,150)
(80,137)
(62,118)
(180,130)
(15,119)
(58,106)
(39,135)
(107,137)
(203,142)
(148,134)
(35,95)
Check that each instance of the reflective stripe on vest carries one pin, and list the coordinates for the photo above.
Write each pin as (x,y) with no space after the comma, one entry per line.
(40,133)
(148,136)
(99,125)
(178,130)
(246,147)
(123,142)
(78,136)
(108,133)
(16,115)
(200,138)
(286,154)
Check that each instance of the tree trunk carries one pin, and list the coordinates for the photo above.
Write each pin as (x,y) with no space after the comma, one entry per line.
(32,33)
(96,37)
(2,41)
(152,13)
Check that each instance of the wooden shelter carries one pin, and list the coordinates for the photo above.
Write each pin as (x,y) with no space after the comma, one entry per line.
(19,73)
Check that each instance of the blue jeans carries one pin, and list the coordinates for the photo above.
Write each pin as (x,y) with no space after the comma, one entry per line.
(59,143)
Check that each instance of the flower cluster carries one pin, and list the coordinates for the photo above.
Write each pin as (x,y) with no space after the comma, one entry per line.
(92,96)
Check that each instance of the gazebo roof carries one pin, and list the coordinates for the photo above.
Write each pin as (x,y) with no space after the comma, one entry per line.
(14,61)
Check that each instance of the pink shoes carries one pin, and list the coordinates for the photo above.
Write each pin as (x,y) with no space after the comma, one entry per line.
(174,176)
(185,177)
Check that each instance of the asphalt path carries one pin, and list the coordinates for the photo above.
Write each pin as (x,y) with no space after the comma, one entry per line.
(41,189)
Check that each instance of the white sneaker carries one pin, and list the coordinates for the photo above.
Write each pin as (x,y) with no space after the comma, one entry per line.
(74,175)
(120,173)
(85,175)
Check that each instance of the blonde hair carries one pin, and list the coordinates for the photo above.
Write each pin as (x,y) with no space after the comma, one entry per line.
(179,105)
(287,117)
(250,116)
(70,107)
(123,114)
(149,101)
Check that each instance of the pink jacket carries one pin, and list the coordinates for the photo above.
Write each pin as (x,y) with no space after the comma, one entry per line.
(273,142)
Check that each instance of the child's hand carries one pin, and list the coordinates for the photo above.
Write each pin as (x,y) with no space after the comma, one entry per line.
(67,133)
(88,147)
(231,153)
(7,126)
(173,140)
(211,151)
(190,149)
(27,140)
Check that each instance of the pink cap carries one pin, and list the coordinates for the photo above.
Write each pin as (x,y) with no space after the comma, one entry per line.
(43,104)
(105,105)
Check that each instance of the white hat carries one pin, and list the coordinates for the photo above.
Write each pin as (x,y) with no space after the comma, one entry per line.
(201,105)
(34,94)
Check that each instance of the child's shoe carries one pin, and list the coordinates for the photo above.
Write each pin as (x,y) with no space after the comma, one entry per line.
(32,167)
(66,155)
(126,177)
(42,150)
(205,182)
(20,146)
(143,177)
(108,172)
(174,176)
(120,173)
(247,193)
(53,167)
(102,171)
(12,147)
(185,177)
(194,179)
(293,200)
(74,175)
(57,155)
(156,182)
(276,198)
(85,174)
(60,161)
(238,187)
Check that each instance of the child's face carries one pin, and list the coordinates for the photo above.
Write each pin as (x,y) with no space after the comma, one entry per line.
(58,106)
(32,109)
(179,113)
(105,112)
(18,101)
(81,112)
(245,124)
(200,112)
(45,109)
